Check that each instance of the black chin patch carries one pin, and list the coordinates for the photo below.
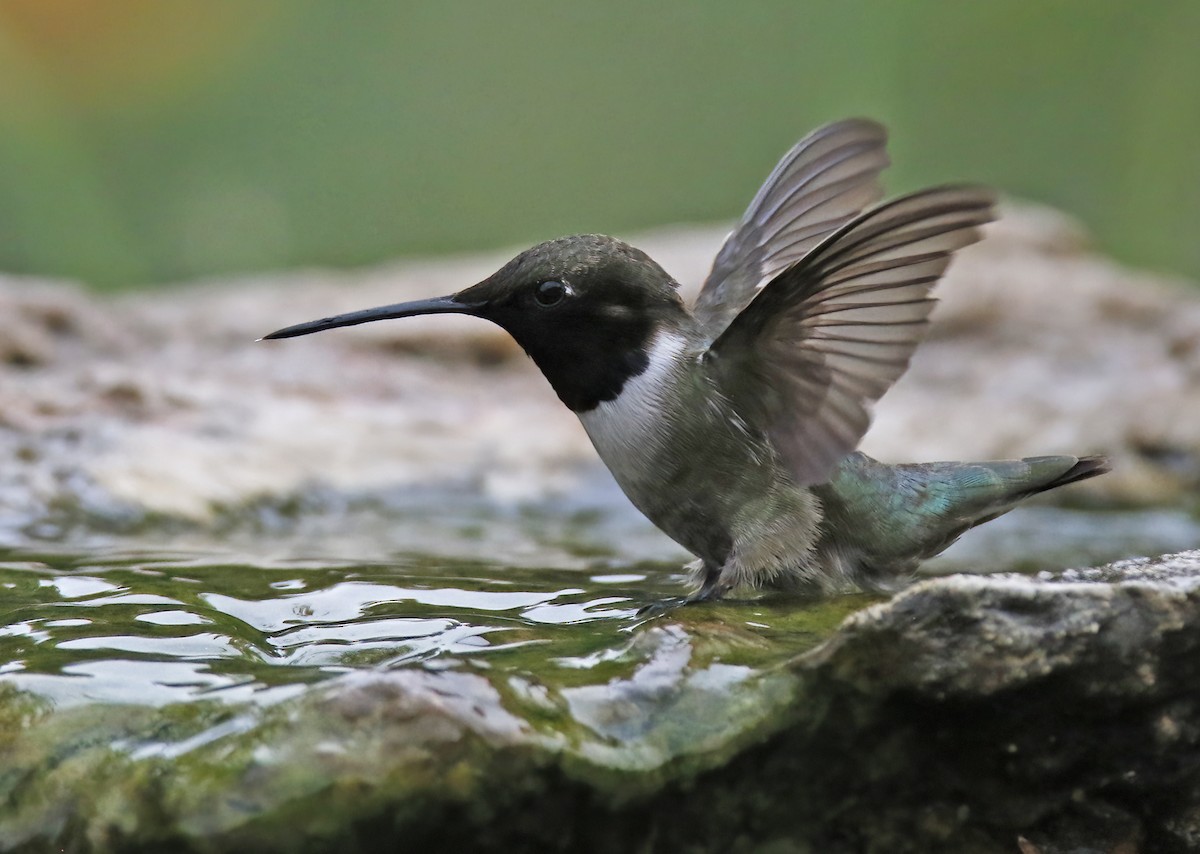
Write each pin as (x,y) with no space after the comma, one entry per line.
(605,380)
(588,367)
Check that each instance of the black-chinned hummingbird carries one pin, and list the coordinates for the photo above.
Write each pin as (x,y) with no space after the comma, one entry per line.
(733,426)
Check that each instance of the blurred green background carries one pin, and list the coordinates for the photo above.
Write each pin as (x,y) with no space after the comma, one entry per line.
(145,141)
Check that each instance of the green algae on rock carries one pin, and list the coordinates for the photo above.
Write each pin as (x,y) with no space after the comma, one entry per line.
(958,716)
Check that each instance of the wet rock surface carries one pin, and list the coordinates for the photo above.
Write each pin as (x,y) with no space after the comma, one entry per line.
(1061,710)
(152,406)
(966,714)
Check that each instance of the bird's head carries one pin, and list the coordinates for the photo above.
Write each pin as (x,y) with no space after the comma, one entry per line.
(585,308)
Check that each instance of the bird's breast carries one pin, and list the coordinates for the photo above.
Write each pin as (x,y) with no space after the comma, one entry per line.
(631,431)
(680,454)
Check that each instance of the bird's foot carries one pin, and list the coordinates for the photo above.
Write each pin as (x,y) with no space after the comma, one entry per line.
(665,606)
(710,592)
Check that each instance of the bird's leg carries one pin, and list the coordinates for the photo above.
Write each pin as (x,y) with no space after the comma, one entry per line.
(711,588)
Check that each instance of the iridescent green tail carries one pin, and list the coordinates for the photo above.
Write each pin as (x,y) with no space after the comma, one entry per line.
(895,515)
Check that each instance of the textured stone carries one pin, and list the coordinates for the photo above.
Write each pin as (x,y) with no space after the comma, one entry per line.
(116,411)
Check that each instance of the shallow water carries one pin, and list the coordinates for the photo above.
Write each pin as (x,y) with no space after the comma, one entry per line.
(155,628)
(556,595)
(159,628)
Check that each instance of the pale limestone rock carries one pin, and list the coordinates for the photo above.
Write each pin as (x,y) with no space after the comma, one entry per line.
(163,403)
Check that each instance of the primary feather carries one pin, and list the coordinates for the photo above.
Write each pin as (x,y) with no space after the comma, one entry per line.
(820,184)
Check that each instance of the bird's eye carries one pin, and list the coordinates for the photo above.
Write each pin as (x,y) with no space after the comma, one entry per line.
(550,293)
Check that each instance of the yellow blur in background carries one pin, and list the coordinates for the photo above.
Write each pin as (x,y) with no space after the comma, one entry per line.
(144,141)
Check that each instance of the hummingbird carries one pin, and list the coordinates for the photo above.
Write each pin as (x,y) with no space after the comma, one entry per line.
(733,425)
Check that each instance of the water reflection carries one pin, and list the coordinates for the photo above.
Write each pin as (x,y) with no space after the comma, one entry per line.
(163,628)
(157,627)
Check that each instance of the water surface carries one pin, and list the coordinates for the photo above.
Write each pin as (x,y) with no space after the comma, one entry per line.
(265,614)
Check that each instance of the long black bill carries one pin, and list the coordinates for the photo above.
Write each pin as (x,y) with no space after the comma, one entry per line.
(438,305)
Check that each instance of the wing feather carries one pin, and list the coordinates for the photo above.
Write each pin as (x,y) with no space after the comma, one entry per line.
(818,186)
(821,342)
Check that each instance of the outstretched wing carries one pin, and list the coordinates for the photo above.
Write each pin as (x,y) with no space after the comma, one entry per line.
(829,335)
(827,178)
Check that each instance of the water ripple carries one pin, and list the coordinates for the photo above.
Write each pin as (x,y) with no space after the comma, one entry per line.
(170,627)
